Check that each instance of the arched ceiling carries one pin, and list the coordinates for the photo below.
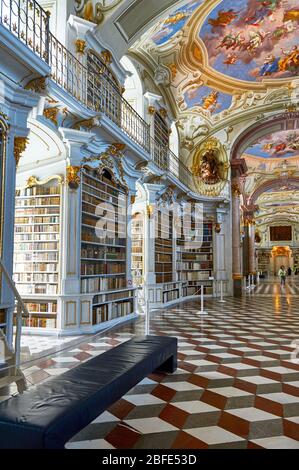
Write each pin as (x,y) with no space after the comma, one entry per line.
(214,50)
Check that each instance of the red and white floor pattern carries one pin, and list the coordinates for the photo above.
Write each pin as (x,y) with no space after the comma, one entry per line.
(237,385)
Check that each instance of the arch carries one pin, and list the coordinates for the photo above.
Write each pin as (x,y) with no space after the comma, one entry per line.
(277,123)
(133,86)
(272,184)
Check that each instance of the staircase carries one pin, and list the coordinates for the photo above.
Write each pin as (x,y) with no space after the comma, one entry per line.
(10,371)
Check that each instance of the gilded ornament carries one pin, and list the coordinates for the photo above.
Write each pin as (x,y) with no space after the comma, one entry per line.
(208,167)
(236,191)
(163,113)
(20,144)
(107,57)
(151,110)
(73,176)
(217,228)
(38,85)
(80,46)
(51,114)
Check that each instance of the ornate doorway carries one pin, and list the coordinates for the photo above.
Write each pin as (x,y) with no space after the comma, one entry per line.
(281,256)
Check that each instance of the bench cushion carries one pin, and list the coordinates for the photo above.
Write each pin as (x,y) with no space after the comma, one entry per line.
(48,415)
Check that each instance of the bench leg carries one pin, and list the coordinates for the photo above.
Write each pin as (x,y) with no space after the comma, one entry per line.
(169,366)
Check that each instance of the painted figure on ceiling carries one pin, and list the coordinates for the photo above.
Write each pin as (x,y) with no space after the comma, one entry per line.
(270,66)
(290,61)
(262,39)
(210,102)
(224,18)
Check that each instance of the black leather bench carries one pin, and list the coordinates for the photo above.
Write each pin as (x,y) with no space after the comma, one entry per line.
(50,414)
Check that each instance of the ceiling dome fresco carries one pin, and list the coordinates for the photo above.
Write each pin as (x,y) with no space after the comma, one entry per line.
(281,144)
(174,22)
(253,39)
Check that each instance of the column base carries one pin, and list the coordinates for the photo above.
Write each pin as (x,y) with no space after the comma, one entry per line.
(238,287)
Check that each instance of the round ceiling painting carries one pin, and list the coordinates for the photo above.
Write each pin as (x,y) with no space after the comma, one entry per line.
(253,39)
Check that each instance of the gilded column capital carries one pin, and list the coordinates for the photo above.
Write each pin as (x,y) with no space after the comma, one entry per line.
(73,177)
(20,144)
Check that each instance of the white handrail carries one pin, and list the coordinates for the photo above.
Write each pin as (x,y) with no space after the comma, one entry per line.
(21,307)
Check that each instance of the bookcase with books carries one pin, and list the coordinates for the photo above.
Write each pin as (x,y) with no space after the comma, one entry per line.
(137,234)
(164,255)
(36,251)
(104,246)
(195,259)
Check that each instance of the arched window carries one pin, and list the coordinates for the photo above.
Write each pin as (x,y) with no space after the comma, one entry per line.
(133,87)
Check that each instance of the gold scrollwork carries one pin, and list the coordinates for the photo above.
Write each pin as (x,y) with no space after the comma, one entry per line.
(73,177)
(20,144)
(38,85)
(33,181)
(210,167)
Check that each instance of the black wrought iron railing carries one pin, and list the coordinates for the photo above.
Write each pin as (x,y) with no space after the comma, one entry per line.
(27,20)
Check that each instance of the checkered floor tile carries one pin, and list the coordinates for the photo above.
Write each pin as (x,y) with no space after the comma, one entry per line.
(237,384)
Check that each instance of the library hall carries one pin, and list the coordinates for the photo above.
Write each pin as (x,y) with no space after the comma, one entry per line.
(149,226)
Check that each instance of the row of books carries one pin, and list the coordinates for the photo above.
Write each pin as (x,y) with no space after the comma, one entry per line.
(194,257)
(122,309)
(194,265)
(36,246)
(33,229)
(34,267)
(102,268)
(89,235)
(35,322)
(194,276)
(163,258)
(99,284)
(36,257)
(165,277)
(28,277)
(101,185)
(103,252)
(113,296)
(42,307)
(42,289)
(38,201)
(36,211)
(34,220)
(39,190)
(33,237)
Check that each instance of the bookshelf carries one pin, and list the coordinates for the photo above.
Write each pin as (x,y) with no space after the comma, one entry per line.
(36,251)
(104,246)
(137,234)
(164,247)
(264,261)
(195,265)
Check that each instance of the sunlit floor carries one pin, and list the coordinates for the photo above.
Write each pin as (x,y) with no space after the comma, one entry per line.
(237,385)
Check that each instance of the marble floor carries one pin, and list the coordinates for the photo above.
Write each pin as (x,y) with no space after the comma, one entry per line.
(237,384)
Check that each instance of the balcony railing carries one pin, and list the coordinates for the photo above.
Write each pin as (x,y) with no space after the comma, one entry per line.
(27,20)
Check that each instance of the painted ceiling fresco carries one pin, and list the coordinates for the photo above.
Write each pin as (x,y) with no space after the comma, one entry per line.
(280,144)
(175,22)
(253,39)
(208,99)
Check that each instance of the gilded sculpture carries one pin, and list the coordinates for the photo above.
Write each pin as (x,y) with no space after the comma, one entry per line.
(209,168)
